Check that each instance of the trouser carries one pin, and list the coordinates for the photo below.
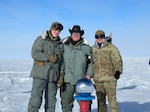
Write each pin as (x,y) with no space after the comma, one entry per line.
(67,97)
(40,86)
(108,89)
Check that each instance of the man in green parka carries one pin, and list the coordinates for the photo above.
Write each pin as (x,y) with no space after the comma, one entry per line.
(47,53)
(78,62)
(107,69)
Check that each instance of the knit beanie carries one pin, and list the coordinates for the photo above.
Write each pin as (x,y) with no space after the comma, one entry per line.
(56,26)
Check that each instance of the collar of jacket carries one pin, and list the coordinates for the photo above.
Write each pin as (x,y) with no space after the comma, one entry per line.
(105,43)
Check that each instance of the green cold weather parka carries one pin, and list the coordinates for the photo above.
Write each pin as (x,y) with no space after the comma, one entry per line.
(42,49)
(75,60)
(107,60)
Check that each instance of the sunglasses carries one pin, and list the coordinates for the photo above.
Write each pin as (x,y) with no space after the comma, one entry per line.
(75,33)
(58,26)
(99,36)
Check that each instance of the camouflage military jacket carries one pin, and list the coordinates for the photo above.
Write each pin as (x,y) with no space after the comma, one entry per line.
(107,60)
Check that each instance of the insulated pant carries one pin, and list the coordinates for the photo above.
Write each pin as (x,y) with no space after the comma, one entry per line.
(67,97)
(40,86)
(108,89)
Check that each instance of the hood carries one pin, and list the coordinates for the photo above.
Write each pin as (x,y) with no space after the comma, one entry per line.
(45,34)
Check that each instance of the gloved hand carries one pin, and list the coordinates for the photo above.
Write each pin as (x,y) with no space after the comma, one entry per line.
(88,77)
(53,58)
(60,81)
(117,75)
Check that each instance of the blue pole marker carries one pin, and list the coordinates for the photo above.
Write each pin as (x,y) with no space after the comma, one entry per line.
(87,98)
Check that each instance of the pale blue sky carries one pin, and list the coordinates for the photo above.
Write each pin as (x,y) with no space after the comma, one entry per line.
(21,21)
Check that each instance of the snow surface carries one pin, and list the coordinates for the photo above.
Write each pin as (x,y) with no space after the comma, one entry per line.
(133,89)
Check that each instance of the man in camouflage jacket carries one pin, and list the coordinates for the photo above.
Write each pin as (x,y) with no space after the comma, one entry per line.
(107,69)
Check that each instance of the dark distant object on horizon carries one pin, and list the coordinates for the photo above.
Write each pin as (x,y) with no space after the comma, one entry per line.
(149,61)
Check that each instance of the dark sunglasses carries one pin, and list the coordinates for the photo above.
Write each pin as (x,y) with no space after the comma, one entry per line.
(58,26)
(99,36)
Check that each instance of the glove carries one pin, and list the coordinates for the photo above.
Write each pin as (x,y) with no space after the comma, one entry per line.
(53,58)
(88,77)
(60,81)
(117,75)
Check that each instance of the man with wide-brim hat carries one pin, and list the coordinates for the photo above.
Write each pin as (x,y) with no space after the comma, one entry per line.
(78,64)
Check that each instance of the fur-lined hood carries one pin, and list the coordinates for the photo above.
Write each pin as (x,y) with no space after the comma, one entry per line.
(45,34)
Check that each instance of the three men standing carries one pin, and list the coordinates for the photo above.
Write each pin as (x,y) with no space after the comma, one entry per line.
(58,64)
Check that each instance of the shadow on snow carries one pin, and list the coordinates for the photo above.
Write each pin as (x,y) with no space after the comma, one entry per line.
(129,87)
(132,107)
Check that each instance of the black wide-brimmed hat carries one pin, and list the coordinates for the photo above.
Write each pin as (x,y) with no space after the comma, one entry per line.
(77,29)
